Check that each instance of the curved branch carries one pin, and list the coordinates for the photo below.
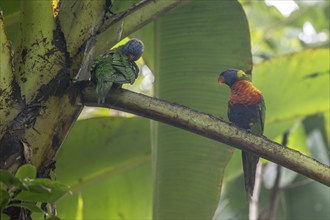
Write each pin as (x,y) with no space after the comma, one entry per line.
(131,20)
(210,127)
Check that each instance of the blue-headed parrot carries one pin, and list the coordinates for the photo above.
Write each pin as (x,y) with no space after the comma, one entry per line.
(246,109)
(116,66)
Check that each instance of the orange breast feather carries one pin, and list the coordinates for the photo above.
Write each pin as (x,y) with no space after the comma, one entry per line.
(243,92)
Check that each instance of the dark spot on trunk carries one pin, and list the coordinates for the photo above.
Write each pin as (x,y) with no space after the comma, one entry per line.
(11,151)
(44,171)
(43,58)
(51,52)
(107,10)
(74,91)
(56,87)
(23,79)
(34,64)
(56,142)
(59,39)
(23,55)
(60,43)
(16,94)
(35,43)
(26,118)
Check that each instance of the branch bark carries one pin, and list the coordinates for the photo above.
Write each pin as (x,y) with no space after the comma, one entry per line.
(208,126)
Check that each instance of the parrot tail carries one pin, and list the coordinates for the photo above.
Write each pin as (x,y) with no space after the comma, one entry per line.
(102,90)
(250,161)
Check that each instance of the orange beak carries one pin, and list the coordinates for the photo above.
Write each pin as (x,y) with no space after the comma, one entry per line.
(221,79)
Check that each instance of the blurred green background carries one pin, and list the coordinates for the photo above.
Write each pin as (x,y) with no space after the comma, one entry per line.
(120,166)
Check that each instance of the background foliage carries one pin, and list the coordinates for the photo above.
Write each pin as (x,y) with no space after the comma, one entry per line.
(109,160)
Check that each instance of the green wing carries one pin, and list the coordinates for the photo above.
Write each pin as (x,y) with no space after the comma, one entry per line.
(114,62)
(116,77)
(258,126)
(123,66)
(102,66)
(101,69)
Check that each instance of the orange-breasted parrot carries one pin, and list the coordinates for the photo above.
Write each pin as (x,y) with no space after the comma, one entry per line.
(116,66)
(246,109)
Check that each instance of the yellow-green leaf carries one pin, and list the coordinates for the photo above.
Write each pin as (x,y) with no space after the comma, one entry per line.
(294,86)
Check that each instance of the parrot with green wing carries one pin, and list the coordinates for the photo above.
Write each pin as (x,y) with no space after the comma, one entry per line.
(116,66)
(246,109)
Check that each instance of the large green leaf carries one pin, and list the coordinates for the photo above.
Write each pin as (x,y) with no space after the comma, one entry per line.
(294,86)
(107,163)
(191,46)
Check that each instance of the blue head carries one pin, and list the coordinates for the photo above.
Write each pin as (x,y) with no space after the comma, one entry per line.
(133,49)
(230,76)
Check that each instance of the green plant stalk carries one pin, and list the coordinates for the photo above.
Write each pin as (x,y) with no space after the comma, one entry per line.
(210,127)
(5,61)
(9,107)
(79,21)
(51,128)
(37,59)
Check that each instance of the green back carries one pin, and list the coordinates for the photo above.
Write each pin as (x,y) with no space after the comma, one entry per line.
(258,126)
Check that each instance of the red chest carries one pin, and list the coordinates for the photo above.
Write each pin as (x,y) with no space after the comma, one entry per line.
(243,92)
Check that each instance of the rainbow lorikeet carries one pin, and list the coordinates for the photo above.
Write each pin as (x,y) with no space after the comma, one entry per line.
(116,66)
(246,109)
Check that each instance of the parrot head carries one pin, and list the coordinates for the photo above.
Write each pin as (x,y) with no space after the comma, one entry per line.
(230,76)
(133,49)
